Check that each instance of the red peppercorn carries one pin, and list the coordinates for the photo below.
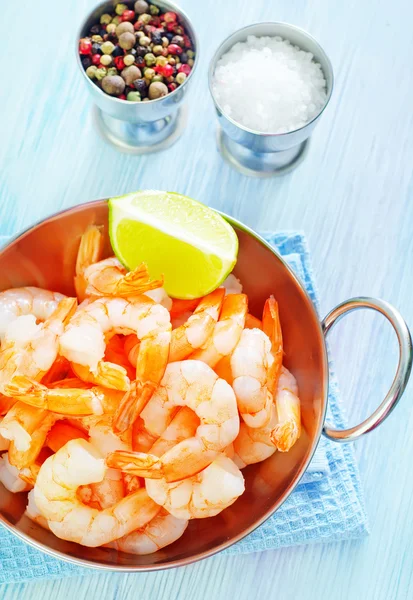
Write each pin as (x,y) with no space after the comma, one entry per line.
(187,42)
(172,87)
(170,26)
(155,21)
(96,59)
(119,63)
(122,97)
(85,46)
(167,70)
(174,49)
(141,64)
(170,17)
(127,15)
(184,69)
(138,25)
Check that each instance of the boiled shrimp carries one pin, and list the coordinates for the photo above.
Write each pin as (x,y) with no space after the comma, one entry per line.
(163,530)
(198,328)
(195,385)
(25,458)
(203,495)
(89,252)
(227,331)
(29,348)
(19,424)
(19,302)
(109,277)
(78,463)
(83,341)
(61,433)
(255,444)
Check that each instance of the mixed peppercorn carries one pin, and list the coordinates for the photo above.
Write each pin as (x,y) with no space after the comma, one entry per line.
(137,55)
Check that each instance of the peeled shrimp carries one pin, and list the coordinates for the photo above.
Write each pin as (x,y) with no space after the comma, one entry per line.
(76,464)
(110,278)
(198,328)
(164,529)
(20,423)
(195,385)
(255,444)
(83,341)
(9,476)
(25,458)
(226,332)
(29,348)
(203,495)
(18,302)
(33,512)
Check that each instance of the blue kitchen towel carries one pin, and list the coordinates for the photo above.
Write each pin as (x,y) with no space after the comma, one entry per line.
(326,506)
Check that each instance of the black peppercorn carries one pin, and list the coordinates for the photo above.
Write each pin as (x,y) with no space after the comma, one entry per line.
(140,86)
(183,58)
(95,29)
(169,35)
(141,50)
(156,38)
(86,62)
(102,32)
(117,51)
(96,49)
(112,37)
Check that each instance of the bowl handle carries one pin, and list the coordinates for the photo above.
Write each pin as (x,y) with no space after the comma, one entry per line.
(403,368)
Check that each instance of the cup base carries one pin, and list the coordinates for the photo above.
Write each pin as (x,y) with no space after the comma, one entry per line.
(145,138)
(260,164)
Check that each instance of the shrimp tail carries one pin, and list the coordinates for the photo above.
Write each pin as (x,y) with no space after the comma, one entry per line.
(136,463)
(132,404)
(64,311)
(272,328)
(108,375)
(90,250)
(133,283)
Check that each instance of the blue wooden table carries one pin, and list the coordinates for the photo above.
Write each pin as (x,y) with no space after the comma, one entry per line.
(353,197)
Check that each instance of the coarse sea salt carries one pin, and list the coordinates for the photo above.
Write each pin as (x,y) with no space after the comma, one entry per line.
(269,85)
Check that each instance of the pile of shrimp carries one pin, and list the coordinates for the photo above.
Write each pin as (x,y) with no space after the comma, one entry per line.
(125,413)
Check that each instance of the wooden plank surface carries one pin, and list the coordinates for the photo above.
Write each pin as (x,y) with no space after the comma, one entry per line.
(353,197)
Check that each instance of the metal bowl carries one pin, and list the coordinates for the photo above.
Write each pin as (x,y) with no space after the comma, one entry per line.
(45,255)
(139,127)
(254,152)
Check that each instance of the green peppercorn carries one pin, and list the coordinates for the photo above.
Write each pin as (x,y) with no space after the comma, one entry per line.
(145,18)
(149,73)
(113,85)
(106,60)
(154,10)
(131,73)
(116,20)
(111,28)
(134,97)
(101,73)
(171,60)
(127,40)
(141,7)
(190,53)
(150,59)
(129,59)
(191,62)
(165,42)
(161,61)
(157,90)
(112,71)
(157,50)
(98,39)
(91,71)
(144,40)
(180,78)
(124,27)
(107,47)
(120,8)
(105,19)
(157,78)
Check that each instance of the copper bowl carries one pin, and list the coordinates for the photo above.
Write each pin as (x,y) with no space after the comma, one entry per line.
(45,256)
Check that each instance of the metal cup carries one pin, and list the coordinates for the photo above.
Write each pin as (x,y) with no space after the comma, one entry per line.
(266,154)
(139,127)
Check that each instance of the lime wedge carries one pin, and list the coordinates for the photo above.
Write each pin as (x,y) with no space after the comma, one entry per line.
(191,245)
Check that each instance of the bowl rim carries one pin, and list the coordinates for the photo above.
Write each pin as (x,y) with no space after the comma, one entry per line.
(103,94)
(218,54)
(82,562)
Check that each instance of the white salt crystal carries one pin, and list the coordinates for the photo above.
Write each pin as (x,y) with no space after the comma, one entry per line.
(269,85)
